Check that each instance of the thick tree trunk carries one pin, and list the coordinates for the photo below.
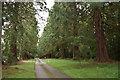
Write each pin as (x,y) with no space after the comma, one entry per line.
(101,55)
(13,46)
(12,59)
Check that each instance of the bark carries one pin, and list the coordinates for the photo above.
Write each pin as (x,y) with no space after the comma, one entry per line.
(13,45)
(75,47)
(62,51)
(12,59)
(21,48)
(20,55)
(75,31)
(75,50)
(101,55)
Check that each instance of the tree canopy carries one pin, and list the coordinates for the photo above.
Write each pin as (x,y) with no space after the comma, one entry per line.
(77,30)
(20,31)
(82,30)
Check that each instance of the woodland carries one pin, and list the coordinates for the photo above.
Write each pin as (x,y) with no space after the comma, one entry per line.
(74,30)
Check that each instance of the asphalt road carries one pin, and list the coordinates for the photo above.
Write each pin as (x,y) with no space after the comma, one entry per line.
(43,70)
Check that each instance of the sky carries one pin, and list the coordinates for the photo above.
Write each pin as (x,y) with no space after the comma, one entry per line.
(44,14)
(41,24)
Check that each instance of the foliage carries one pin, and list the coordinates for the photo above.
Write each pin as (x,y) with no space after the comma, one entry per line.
(20,32)
(71,25)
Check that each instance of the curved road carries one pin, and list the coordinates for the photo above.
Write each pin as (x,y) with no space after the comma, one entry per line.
(43,70)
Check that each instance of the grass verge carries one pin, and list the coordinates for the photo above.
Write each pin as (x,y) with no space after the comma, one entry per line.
(24,69)
(84,69)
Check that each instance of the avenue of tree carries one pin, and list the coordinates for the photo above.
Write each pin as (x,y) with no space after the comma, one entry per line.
(20,31)
(75,30)
(82,31)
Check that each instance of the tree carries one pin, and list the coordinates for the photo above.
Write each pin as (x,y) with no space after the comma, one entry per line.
(75,30)
(20,32)
(101,55)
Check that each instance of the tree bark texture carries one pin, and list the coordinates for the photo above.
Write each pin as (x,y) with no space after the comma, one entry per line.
(101,53)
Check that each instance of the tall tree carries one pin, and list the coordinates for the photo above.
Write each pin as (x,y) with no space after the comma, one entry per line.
(20,31)
(101,55)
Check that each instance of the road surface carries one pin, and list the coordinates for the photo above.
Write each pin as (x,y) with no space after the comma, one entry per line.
(43,70)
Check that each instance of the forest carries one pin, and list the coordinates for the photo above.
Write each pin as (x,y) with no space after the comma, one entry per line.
(82,31)
(75,30)
(79,36)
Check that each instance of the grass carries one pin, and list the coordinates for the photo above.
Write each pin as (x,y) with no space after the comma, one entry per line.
(24,69)
(84,69)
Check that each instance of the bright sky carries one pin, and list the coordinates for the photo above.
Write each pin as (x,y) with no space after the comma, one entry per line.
(41,24)
(45,15)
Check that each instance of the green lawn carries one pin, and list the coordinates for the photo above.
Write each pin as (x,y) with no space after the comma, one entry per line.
(24,69)
(84,69)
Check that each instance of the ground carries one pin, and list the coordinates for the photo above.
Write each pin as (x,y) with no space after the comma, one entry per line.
(24,69)
(43,70)
(74,69)
(84,69)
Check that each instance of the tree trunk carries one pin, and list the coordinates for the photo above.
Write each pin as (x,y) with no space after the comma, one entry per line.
(101,55)
(75,49)
(13,46)
(62,51)
(20,55)
(12,59)
(21,48)
(75,30)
